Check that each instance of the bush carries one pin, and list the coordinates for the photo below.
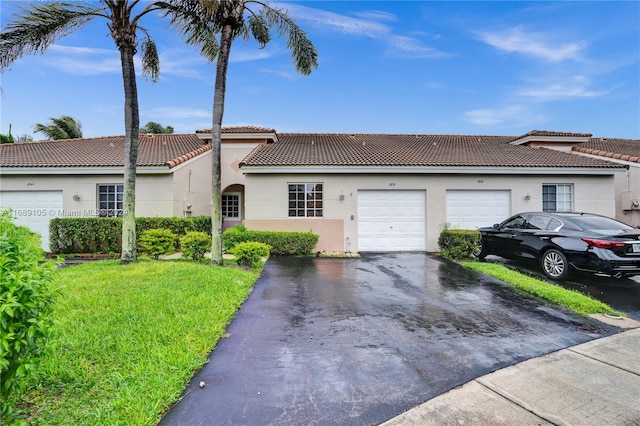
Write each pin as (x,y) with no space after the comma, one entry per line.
(26,309)
(250,253)
(281,243)
(195,244)
(104,234)
(157,242)
(459,243)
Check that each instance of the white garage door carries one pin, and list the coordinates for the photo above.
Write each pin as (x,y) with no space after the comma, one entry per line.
(391,220)
(33,209)
(474,209)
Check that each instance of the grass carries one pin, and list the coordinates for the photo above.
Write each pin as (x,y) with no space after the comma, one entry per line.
(574,300)
(129,338)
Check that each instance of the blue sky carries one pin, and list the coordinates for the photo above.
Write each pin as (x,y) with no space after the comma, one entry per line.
(447,67)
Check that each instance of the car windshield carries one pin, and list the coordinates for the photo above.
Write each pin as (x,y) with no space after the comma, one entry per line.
(600,224)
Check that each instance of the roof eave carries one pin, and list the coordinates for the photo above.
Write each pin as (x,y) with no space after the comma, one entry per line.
(563,139)
(475,170)
(78,170)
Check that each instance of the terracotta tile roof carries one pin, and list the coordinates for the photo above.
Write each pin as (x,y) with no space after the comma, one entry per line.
(297,149)
(241,129)
(552,133)
(620,149)
(153,150)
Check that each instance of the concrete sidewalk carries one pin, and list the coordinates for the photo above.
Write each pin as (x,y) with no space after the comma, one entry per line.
(595,383)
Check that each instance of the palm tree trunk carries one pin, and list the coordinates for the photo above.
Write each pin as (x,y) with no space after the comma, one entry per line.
(132,124)
(226,39)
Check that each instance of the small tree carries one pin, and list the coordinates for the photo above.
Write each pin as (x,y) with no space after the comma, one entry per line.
(155,128)
(27,299)
(8,138)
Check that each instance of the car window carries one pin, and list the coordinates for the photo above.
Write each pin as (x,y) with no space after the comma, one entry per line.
(538,222)
(599,224)
(554,224)
(516,222)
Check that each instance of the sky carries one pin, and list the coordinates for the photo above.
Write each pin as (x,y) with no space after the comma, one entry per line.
(428,67)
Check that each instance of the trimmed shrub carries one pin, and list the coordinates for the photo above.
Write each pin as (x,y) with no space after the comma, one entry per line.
(195,244)
(459,243)
(157,242)
(27,299)
(281,243)
(250,253)
(104,234)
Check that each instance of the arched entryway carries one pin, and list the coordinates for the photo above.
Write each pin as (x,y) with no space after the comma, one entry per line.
(232,206)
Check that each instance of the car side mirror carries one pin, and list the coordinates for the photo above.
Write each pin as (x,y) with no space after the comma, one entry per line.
(496,225)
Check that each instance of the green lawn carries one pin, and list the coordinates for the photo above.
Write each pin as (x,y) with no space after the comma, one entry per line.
(574,300)
(129,338)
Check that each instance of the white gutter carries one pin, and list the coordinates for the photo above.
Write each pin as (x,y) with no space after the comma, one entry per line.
(81,170)
(429,170)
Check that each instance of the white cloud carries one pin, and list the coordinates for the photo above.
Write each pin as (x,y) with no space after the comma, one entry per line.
(178,112)
(576,87)
(510,115)
(537,44)
(376,15)
(365,25)
(83,60)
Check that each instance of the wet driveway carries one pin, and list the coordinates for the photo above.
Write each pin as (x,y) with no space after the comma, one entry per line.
(358,341)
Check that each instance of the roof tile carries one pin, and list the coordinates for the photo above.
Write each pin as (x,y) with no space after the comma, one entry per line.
(314,149)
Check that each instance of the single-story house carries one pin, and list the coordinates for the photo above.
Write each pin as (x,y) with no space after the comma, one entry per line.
(359,192)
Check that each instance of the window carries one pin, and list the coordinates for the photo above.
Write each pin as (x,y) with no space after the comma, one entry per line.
(515,223)
(231,205)
(557,198)
(305,200)
(110,200)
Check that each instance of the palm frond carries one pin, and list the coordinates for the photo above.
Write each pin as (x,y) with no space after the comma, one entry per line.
(259,30)
(195,20)
(303,52)
(33,30)
(150,59)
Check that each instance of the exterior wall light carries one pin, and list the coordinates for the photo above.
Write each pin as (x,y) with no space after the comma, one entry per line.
(527,196)
(341,196)
(76,197)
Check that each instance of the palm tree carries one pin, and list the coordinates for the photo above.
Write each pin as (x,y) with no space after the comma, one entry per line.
(36,28)
(64,127)
(200,22)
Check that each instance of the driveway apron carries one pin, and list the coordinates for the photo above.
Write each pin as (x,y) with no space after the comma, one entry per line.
(357,341)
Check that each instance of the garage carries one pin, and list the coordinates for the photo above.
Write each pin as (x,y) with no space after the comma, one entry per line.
(33,209)
(391,220)
(474,209)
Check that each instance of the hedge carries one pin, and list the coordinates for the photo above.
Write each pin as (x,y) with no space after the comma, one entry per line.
(459,243)
(281,243)
(104,235)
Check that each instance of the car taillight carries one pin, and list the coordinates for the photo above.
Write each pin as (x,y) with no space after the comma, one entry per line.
(605,244)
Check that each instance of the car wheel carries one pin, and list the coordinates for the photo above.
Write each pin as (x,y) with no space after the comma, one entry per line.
(479,253)
(555,265)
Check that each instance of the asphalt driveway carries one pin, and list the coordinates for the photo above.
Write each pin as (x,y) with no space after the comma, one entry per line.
(358,341)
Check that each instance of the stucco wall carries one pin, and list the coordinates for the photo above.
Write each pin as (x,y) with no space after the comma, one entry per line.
(628,186)
(152,196)
(266,200)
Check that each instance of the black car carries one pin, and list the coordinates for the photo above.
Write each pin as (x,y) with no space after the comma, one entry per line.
(566,242)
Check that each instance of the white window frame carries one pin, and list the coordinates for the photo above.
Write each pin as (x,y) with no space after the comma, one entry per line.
(237,194)
(111,208)
(308,200)
(563,201)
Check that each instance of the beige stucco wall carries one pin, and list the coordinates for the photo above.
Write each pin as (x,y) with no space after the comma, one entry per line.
(628,187)
(153,194)
(266,200)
